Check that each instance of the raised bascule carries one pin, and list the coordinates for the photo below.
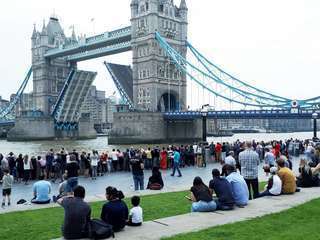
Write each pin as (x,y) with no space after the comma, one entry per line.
(154,88)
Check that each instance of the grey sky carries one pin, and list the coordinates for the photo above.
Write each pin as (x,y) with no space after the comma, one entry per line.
(272,44)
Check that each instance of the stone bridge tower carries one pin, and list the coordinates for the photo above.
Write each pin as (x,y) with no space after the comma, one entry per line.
(48,75)
(157,84)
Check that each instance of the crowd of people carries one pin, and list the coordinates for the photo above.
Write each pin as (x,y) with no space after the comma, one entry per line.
(233,186)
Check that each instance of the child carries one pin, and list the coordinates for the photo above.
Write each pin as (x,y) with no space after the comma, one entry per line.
(136,213)
(7,182)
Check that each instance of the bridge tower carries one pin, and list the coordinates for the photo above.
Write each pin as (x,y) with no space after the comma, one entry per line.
(48,75)
(157,84)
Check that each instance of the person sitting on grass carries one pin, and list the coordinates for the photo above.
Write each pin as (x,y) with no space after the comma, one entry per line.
(274,186)
(287,177)
(77,215)
(307,178)
(41,191)
(201,197)
(62,189)
(7,182)
(155,181)
(136,213)
(223,190)
(115,211)
(240,190)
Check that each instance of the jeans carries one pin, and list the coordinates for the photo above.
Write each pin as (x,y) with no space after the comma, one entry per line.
(255,187)
(71,184)
(138,182)
(94,171)
(176,167)
(202,206)
(266,193)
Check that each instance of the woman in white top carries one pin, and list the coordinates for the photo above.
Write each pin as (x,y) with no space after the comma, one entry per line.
(26,169)
(274,186)
(94,164)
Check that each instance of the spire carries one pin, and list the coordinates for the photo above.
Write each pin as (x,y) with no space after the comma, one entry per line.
(34,33)
(44,28)
(73,35)
(183,5)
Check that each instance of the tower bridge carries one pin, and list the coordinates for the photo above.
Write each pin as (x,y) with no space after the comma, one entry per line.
(155,88)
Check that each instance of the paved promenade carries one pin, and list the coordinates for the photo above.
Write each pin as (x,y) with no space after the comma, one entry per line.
(122,181)
(191,222)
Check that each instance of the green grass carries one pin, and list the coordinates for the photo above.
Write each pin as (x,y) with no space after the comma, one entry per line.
(301,222)
(46,223)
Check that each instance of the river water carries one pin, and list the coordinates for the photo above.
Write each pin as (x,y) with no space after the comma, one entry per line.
(101,143)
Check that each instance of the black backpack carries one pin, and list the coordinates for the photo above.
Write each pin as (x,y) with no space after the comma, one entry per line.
(100,230)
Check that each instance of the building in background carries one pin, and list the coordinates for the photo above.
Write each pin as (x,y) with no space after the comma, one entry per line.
(3,103)
(100,108)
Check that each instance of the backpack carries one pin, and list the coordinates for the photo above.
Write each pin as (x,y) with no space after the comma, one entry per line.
(100,230)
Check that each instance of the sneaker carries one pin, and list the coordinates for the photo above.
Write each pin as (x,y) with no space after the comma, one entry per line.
(172,175)
(180,176)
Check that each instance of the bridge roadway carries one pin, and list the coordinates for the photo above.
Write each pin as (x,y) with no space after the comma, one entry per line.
(242,114)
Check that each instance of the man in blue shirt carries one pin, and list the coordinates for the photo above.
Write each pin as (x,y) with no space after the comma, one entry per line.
(223,190)
(41,191)
(176,163)
(239,187)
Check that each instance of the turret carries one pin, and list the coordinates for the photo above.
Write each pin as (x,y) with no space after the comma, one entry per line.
(134,7)
(183,10)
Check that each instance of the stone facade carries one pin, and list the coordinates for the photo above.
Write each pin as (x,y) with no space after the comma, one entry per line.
(157,84)
(146,127)
(48,75)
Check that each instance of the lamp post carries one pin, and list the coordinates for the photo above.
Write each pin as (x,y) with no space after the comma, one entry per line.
(315,118)
(204,113)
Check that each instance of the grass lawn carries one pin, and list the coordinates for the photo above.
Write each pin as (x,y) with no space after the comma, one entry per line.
(298,223)
(46,223)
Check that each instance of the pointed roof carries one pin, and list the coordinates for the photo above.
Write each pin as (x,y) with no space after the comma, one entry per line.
(183,5)
(34,33)
(44,31)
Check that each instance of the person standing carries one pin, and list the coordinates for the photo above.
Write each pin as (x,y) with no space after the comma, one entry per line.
(94,164)
(26,169)
(176,163)
(7,182)
(20,168)
(249,162)
(72,171)
(137,172)
(115,159)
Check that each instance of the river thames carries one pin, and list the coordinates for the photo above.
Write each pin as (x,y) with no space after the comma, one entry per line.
(101,143)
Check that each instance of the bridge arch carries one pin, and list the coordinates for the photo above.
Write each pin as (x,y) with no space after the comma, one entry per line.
(168,102)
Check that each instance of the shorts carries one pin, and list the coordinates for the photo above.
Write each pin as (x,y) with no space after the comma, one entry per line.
(6,192)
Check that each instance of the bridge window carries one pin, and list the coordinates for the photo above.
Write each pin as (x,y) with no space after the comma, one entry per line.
(147,6)
(167,24)
(161,8)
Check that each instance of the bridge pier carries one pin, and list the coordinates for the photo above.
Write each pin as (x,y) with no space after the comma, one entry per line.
(152,128)
(42,128)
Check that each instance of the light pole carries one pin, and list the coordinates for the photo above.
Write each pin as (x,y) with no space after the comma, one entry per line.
(315,118)
(204,113)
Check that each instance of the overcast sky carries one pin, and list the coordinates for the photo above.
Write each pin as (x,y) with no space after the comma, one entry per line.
(272,44)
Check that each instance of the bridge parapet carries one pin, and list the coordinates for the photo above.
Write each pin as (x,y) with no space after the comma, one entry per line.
(250,114)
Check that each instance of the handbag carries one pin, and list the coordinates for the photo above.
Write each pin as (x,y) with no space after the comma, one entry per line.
(100,230)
